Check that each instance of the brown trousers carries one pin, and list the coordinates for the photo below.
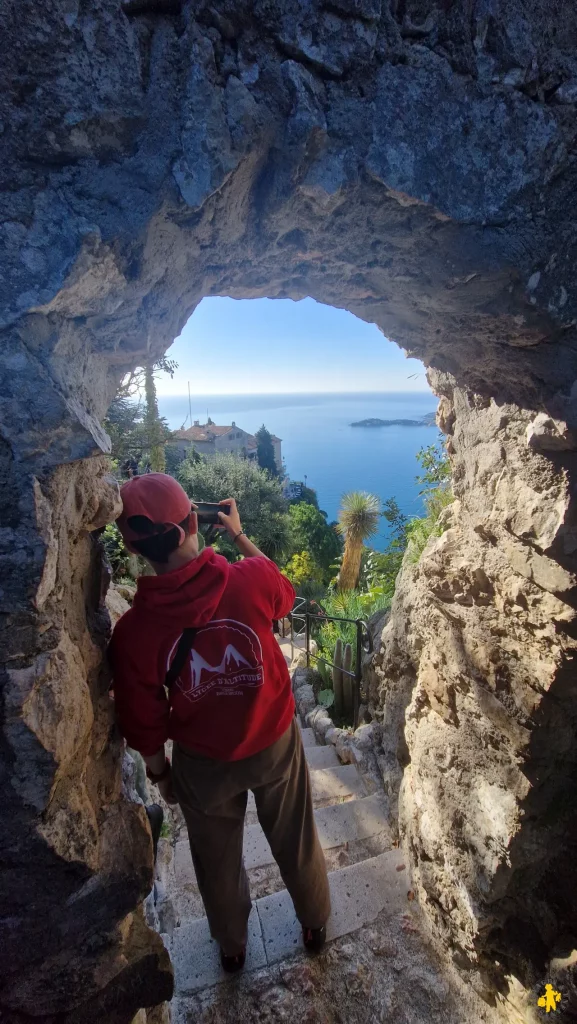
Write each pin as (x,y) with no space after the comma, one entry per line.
(213,797)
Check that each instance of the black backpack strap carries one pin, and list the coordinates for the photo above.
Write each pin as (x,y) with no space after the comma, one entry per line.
(182,651)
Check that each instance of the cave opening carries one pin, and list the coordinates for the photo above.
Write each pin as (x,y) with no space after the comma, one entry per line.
(470,696)
(307,371)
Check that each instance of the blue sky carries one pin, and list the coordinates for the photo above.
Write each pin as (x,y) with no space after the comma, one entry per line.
(259,346)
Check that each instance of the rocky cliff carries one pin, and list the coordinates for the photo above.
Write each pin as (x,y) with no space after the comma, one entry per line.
(476,682)
(413,163)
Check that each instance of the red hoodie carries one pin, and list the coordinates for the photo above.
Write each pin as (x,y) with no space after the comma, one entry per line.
(233,697)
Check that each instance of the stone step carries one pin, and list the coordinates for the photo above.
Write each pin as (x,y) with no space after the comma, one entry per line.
(329,786)
(358,894)
(308,737)
(355,819)
(333,785)
(322,757)
(196,957)
(337,824)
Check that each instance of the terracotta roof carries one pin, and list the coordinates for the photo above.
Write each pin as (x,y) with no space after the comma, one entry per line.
(219,430)
(194,434)
(203,433)
(209,431)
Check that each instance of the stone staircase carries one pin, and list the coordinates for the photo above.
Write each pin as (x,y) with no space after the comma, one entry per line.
(366,877)
(374,951)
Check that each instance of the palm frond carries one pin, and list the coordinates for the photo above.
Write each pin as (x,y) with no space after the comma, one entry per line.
(358,516)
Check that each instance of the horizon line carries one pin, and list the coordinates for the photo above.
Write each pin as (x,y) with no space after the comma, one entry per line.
(251,394)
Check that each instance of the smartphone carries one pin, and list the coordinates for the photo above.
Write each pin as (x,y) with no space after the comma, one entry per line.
(207,511)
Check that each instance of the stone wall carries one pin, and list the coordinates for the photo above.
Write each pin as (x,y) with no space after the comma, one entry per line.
(412,163)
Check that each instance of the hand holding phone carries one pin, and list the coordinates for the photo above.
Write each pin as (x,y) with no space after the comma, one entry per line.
(229,517)
(208,512)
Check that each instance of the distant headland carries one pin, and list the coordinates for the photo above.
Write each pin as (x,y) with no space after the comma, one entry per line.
(426,421)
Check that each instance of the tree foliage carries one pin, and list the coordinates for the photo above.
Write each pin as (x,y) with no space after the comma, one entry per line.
(133,384)
(436,465)
(117,554)
(265,451)
(302,569)
(307,494)
(411,535)
(129,432)
(262,508)
(437,494)
(124,425)
(136,430)
(312,533)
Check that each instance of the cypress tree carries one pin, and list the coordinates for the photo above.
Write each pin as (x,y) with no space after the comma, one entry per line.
(265,451)
(153,424)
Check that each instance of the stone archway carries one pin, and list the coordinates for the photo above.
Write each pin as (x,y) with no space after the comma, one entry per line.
(417,171)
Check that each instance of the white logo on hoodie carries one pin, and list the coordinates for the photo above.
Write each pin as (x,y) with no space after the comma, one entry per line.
(227,655)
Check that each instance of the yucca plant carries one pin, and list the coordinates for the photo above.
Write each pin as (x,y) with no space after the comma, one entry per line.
(358,519)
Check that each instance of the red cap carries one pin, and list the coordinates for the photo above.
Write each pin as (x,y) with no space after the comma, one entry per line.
(157,496)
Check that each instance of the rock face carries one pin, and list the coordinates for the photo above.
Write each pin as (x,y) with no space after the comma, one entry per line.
(414,164)
(76,853)
(477,687)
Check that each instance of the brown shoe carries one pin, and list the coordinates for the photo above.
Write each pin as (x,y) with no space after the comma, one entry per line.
(230,964)
(314,939)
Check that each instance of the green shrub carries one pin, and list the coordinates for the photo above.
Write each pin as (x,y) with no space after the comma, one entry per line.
(347,604)
(420,530)
(437,493)
(302,569)
(379,571)
(324,672)
(116,552)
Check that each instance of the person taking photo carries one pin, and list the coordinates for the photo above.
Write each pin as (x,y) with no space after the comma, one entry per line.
(195,661)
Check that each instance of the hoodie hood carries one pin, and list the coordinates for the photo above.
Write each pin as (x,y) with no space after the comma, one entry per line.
(185,597)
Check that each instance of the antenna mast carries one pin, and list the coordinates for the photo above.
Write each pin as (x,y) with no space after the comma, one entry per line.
(189,407)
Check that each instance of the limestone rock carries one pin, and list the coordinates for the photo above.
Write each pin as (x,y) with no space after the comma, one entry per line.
(546,434)
(116,604)
(319,720)
(125,591)
(472,669)
(303,691)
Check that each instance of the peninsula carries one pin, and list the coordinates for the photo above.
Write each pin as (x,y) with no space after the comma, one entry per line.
(426,421)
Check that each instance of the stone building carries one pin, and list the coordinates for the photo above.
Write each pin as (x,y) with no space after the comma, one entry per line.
(210,438)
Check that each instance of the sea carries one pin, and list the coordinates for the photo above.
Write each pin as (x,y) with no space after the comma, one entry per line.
(321,448)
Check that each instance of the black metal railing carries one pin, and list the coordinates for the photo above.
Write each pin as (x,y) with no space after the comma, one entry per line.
(363,643)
